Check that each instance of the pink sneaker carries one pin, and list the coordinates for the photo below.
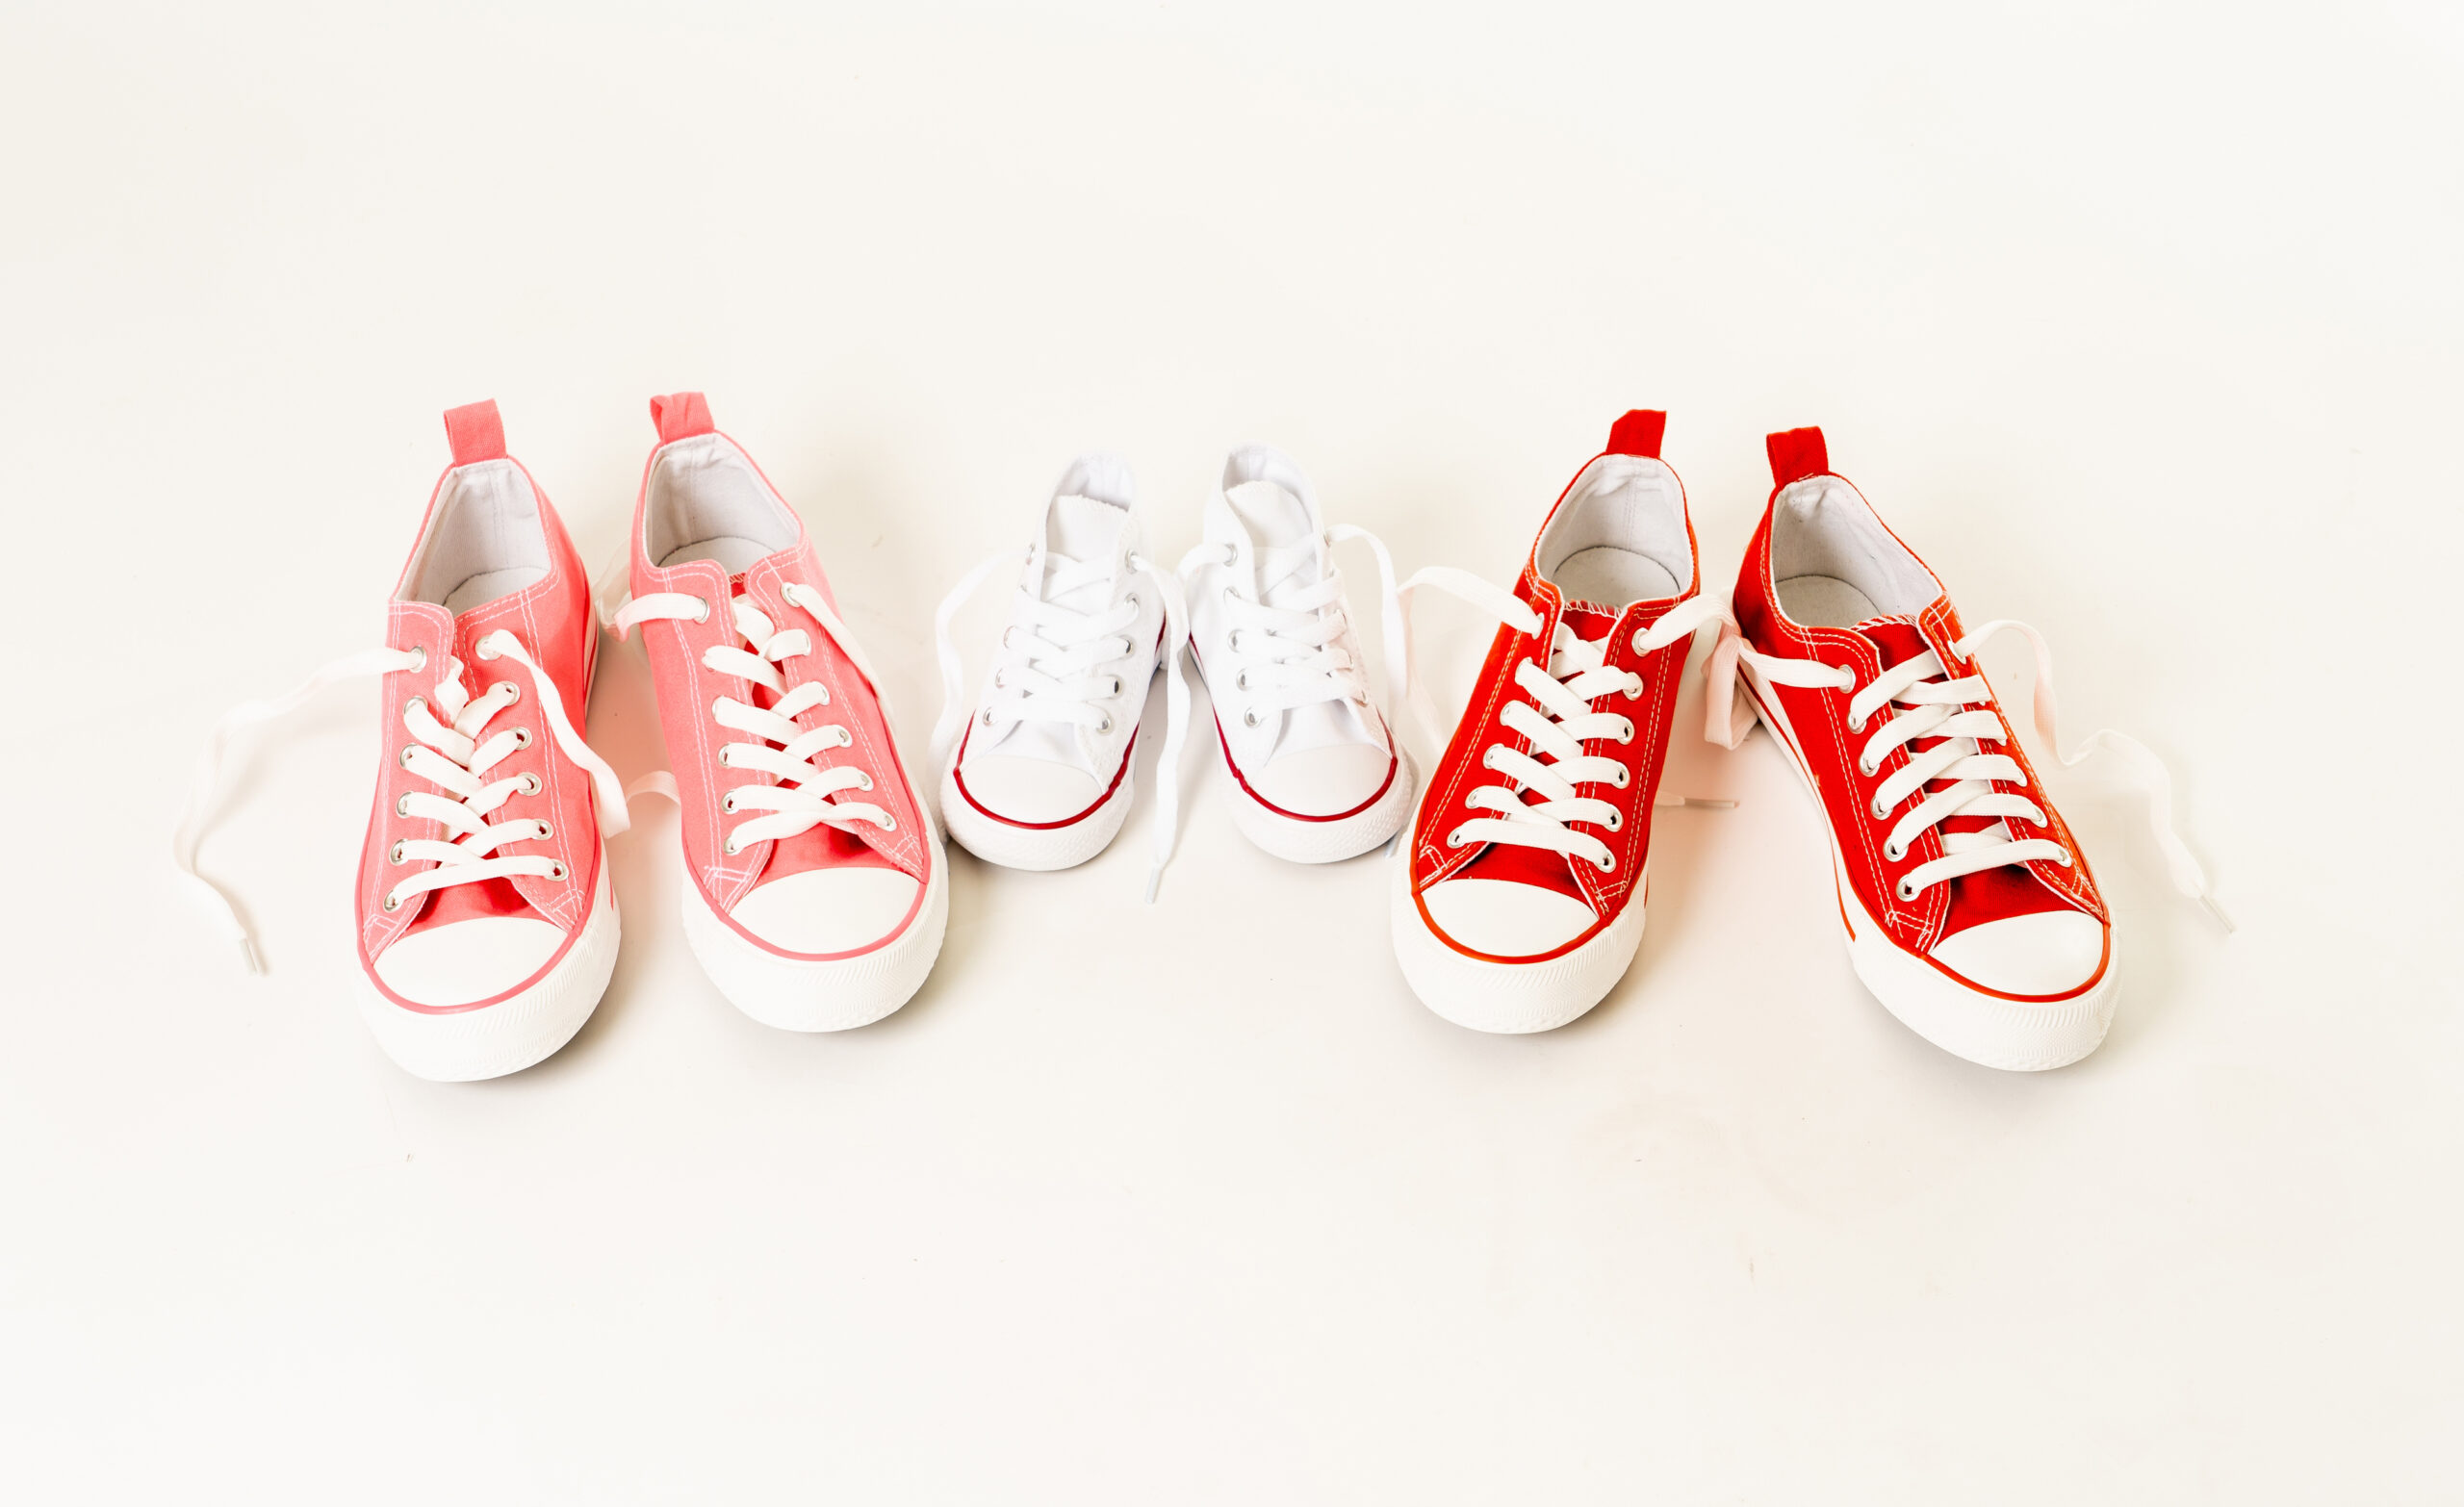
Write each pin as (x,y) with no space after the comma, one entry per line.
(817,892)
(487,929)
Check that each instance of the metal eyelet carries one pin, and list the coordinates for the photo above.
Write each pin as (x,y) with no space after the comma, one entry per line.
(729,847)
(1868,768)
(2065,859)
(415,703)
(559,873)
(889,823)
(866,779)
(725,756)
(419,658)
(1454,839)
(1116,690)
(402,807)
(405,760)
(1634,692)
(1623,779)
(509,685)
(1105,725)
(393,854)
(393,902)
(1907,891)
(1857,724)
(1607,865)
(1629,731)
(544,832)
(998,683)
(530,783)
(1638,643)
(522,737)
(1131,599)
(705,615)
(1893,852)
(1616,822)
(1250,718)
(727,803)
(987,717)
(1879,810)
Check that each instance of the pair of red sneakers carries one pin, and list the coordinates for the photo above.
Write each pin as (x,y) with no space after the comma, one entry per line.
(1968,907)
(487,929)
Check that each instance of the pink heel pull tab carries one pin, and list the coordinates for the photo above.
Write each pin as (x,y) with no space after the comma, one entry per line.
(679,416)
(475,431)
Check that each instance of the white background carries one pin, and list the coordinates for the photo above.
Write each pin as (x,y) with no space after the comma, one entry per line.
(2142,325)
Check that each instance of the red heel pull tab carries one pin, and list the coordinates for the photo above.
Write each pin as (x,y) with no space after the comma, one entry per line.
(1638,433)
(1796,455)
(476,432)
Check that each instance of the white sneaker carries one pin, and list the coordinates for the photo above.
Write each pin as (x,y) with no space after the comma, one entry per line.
(1036,770)
(1316,775)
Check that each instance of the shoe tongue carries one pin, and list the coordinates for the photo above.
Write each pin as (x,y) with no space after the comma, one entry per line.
(1586,623)
(1077,529)
(1898,639)
(1274,518)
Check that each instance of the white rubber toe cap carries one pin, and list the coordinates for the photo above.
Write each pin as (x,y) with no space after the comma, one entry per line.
(466,962)
(828,911)
(1028,789)
(1323,781)
(2052,952)
(1504,919)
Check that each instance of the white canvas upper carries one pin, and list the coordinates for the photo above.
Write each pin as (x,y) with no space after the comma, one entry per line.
(1037,765)
(1271,624)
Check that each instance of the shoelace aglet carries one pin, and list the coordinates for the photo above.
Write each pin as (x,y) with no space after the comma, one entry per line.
(2217,910)
(248,956)
(1704,803)
(1154,882)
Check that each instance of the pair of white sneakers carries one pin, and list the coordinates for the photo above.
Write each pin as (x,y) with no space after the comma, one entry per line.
(1038,769)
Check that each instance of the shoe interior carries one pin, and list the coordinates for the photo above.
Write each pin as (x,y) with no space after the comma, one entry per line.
(1833,562)
(1619,536)
(706,502)
(483,540)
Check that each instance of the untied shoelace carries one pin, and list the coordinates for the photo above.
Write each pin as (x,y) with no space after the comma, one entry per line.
(449,753)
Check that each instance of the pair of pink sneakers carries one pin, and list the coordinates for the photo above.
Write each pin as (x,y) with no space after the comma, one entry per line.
(1966,903)
(487,927)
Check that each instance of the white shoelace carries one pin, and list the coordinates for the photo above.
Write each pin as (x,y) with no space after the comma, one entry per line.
(1284,654)
(1052,669)
(1927,702)
(1556,721)
(807,795)
(449,754)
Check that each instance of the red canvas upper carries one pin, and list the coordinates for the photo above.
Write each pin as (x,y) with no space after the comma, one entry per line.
(686,689)
(1460,771)
(1819,718)
(552,620)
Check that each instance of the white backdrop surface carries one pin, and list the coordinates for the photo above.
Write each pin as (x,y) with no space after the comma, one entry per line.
(2141,322)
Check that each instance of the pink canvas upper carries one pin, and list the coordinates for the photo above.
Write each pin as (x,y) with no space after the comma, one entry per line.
(686,689)
(552,620)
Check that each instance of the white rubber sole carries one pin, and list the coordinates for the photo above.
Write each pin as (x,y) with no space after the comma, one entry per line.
(1296,840)
(1987,1029)
(510,1034)
(1034,847)
(1505,998)
(821,994)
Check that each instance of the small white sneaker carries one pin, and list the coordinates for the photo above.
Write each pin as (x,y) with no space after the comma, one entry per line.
(1037,771)
(1316,775)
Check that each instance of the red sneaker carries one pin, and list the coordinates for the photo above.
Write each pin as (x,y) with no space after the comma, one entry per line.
(816,891)
(487,929)
(1969,909)
(1518,901)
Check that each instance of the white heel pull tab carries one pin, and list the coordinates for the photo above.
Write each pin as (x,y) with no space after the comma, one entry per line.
(205,790)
